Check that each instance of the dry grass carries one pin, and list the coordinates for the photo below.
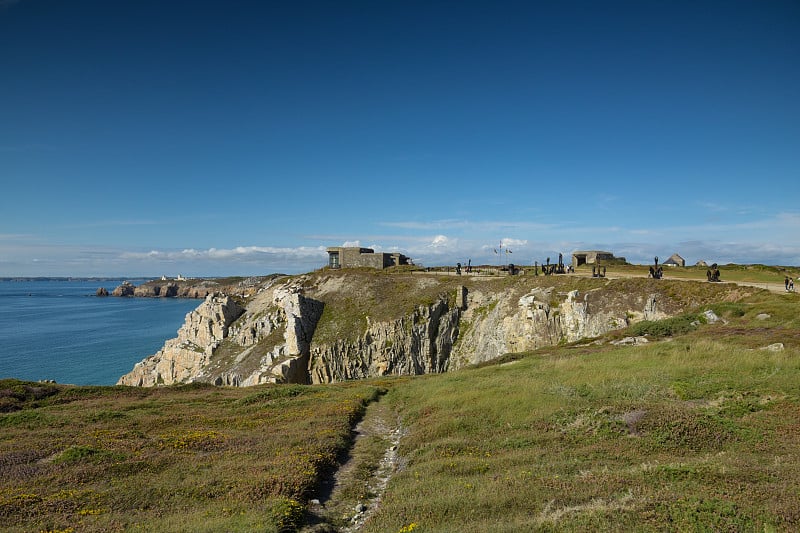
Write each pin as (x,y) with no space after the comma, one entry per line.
(700,432)
(185,458)
(697,433)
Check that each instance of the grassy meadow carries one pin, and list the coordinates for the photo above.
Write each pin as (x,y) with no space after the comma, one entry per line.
(183,458)
(755,274)
(690,434)
(697,430)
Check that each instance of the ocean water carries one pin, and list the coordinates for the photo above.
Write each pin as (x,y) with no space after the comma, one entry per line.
(60,330)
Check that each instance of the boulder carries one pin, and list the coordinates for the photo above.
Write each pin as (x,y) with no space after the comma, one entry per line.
(775,347)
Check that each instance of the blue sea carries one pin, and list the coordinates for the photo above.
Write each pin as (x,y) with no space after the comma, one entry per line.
(59,329)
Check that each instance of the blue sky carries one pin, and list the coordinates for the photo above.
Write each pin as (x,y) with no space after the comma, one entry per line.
(243,137)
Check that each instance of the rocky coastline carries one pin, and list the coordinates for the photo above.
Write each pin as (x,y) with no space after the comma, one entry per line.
(330,326)
(198,288)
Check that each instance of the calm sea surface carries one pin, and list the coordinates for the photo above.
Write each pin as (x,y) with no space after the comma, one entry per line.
(60,330)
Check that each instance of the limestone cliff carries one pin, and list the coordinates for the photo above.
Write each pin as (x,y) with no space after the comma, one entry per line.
(185,356)
(487,324)
(332,326)
(419,343)
(224,343)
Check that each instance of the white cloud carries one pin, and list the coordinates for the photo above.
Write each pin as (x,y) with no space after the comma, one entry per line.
(771,239)
(239,252)
(440,241)
(507,242)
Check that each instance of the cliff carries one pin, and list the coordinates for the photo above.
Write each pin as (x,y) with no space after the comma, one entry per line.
(226,343)
(331,326)
(193,288)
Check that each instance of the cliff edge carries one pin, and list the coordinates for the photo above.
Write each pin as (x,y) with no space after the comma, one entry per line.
(336,325)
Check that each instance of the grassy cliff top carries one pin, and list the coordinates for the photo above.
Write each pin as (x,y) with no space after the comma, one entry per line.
(698,431)
(352,296)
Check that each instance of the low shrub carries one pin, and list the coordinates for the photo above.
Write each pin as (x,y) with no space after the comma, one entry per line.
(669,327)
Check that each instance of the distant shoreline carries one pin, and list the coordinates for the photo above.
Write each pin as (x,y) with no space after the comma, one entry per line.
(68,278)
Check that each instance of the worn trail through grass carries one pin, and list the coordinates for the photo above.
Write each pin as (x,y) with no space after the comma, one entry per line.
(355,490)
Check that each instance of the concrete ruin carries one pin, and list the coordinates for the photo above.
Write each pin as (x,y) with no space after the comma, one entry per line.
(353,257)
(593,257)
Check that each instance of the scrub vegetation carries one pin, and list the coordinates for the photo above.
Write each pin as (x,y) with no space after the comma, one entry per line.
(182,458)
(699,429)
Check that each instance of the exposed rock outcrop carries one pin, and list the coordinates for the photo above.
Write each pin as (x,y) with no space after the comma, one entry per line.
(185,356)
(221,343)
(126,289)
(274,337)
(417,344)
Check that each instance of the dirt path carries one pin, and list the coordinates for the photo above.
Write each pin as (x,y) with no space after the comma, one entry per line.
(355,491)
(772,287)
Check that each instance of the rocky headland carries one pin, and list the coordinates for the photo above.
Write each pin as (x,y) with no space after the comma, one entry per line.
(190,288)
(336,325)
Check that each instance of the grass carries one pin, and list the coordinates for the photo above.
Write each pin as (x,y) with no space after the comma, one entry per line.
(365,296)
(729,272)
(183,458)
(373,296)
(694,434)
(698,430)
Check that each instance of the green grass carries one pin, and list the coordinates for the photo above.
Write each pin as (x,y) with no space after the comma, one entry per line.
(698,430)
(693,434)
(728,272)
(184,458)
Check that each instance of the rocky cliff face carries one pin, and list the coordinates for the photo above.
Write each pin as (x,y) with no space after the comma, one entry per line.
(193,288)
(185,356)
(486,325)
(420,343)
(225,343)
(273,335)
(495,324)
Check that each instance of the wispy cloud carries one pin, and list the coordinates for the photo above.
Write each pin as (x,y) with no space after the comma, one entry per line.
(773,240)
(486,226)
(16,237)
(239,252)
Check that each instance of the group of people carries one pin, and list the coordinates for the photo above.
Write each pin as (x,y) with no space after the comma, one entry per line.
(789,284)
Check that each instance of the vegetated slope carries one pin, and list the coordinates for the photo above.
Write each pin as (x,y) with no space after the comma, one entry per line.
(183,458)
(692,431)
(696,432)
(330,326)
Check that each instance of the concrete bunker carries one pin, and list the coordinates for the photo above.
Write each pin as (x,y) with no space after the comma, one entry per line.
(354,256)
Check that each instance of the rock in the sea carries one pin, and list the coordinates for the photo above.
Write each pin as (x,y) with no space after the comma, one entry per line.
(126,289)
(102,291)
